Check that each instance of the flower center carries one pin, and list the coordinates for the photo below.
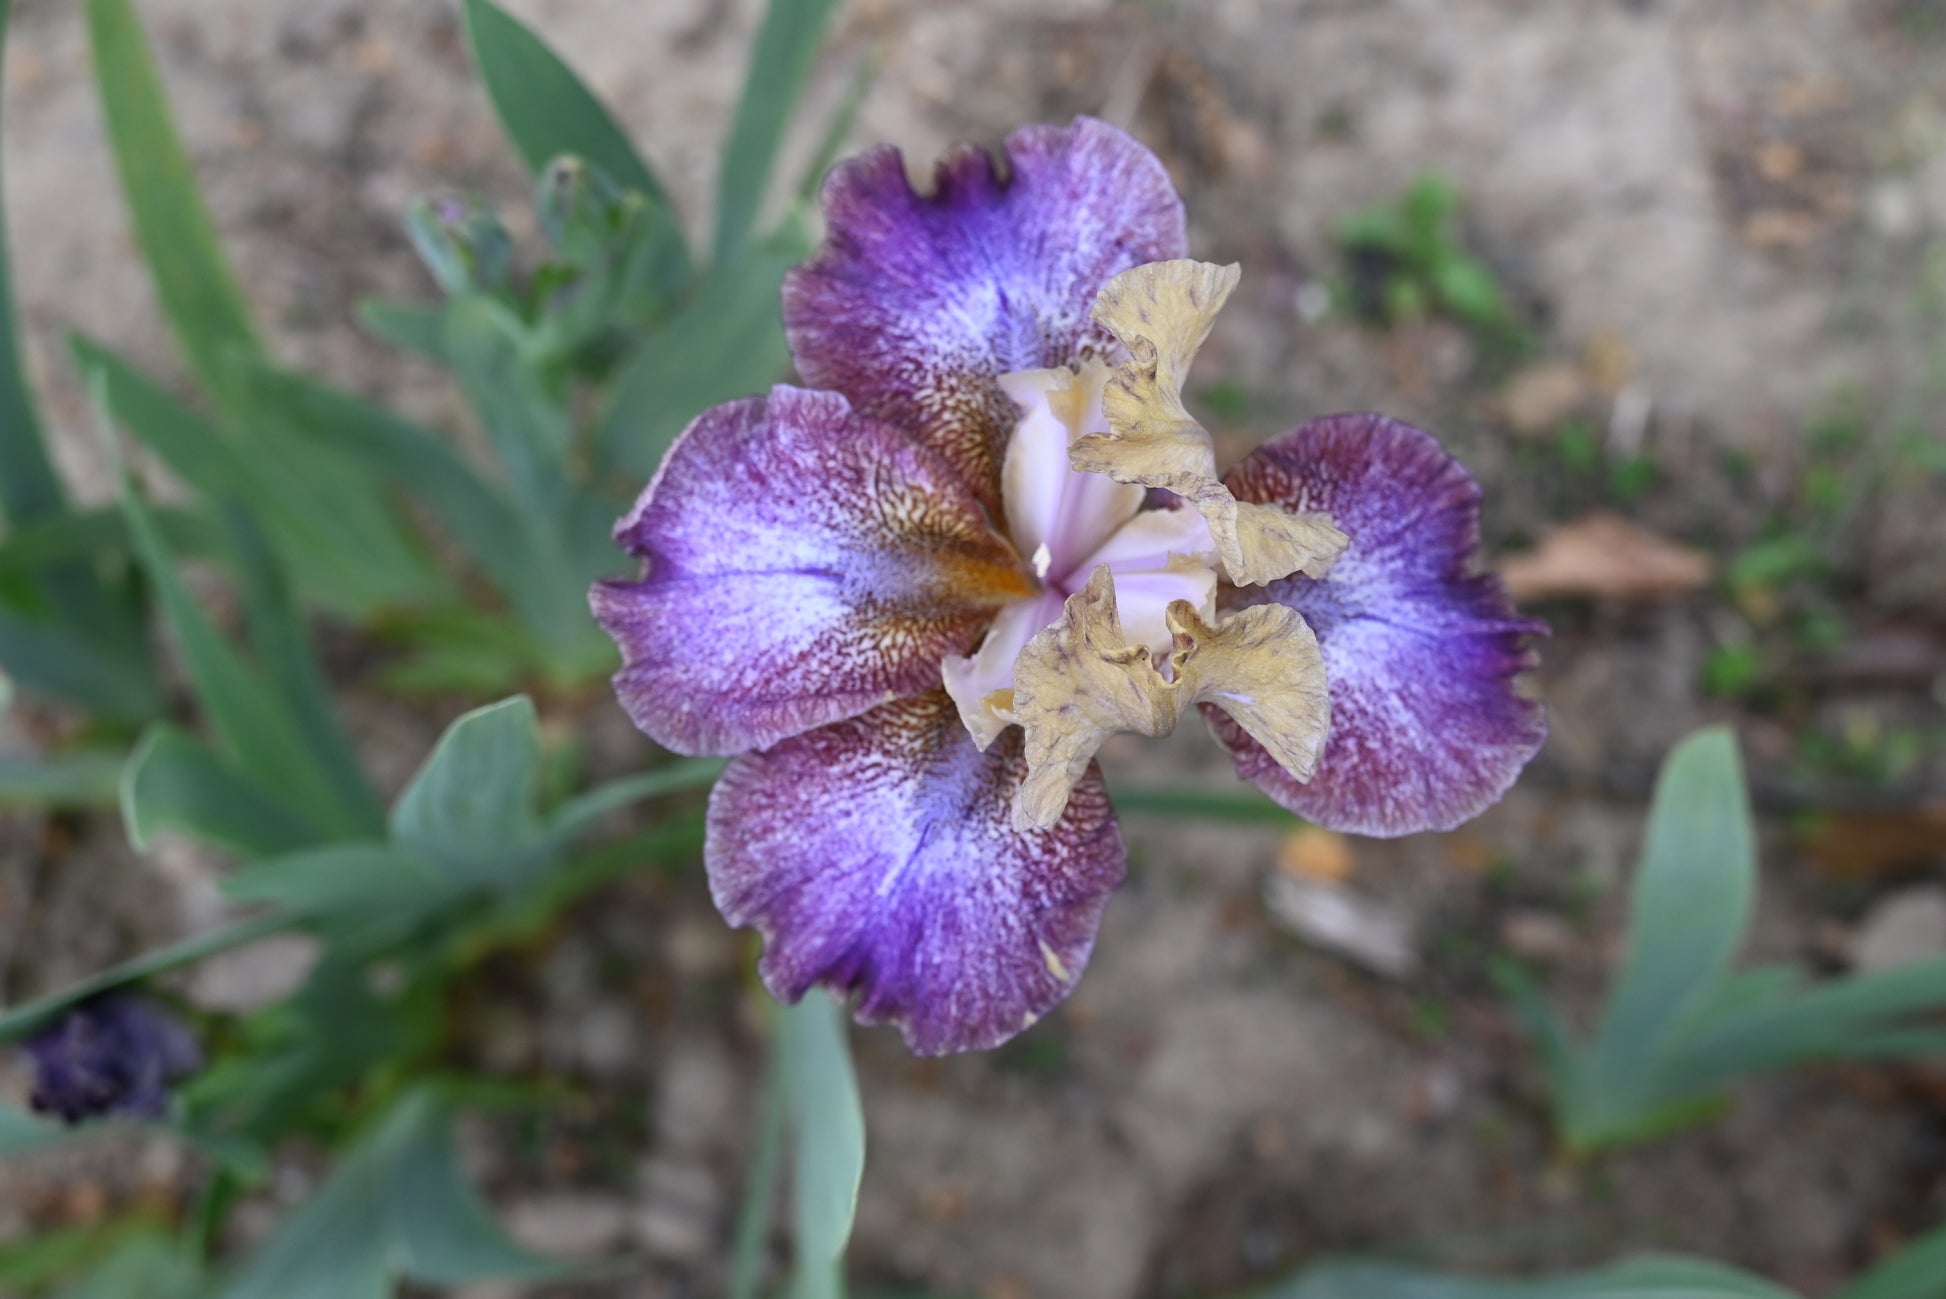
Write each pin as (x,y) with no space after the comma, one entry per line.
(1070,523)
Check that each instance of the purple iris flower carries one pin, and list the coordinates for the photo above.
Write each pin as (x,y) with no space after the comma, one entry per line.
(116,1054)
(917,595)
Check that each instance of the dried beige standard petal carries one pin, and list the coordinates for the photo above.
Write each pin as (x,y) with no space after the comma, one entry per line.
(1261,543)
(1262,666)
(1079,681)
(1162,312)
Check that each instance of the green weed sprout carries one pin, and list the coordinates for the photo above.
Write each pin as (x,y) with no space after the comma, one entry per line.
(1408,261)
(1681,1025)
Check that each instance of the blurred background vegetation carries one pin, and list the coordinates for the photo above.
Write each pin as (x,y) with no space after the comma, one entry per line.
(341,332)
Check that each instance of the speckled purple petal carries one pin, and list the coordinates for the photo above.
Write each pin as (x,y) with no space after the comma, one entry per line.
(1427,728)
(802,564)
(915,305)
(878,858)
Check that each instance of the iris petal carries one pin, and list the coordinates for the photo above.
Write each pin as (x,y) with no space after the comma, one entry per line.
(1052,511)
(1427,727)
(982,684)
(878,857)
(916,303)
(1158,557)
(802,564)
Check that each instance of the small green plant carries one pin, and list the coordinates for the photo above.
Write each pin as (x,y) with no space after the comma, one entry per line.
(277,772)
(1620,480)
(401,906)
(1733,671)
(1630,479)
(334,517)
(1578,448)
(1917,1272)
(1409,261)
(1788,587)
(618,319)
(1863,749)
(277,783)
(1681,1025)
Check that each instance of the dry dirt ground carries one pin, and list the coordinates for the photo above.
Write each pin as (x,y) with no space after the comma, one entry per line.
(1718,220)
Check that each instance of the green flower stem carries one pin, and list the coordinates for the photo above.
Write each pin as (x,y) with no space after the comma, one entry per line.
(22,1020)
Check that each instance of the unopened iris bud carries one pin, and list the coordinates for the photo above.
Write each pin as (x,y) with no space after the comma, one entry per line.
(582,211)
(462,244)
(117,1054)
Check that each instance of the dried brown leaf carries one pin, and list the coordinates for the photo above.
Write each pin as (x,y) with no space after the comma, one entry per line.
(1605,557)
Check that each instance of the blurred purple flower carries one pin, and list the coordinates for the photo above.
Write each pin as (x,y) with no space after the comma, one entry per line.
(116,1054)
(917,595)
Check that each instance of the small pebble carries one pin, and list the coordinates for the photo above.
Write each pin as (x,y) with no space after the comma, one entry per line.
(568,1225)
(1903,929)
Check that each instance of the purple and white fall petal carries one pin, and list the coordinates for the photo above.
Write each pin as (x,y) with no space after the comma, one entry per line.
(1428,727)
(802,564)
(878,857)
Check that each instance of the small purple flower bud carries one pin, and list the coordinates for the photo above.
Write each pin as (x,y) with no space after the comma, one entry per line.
(114,1054)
